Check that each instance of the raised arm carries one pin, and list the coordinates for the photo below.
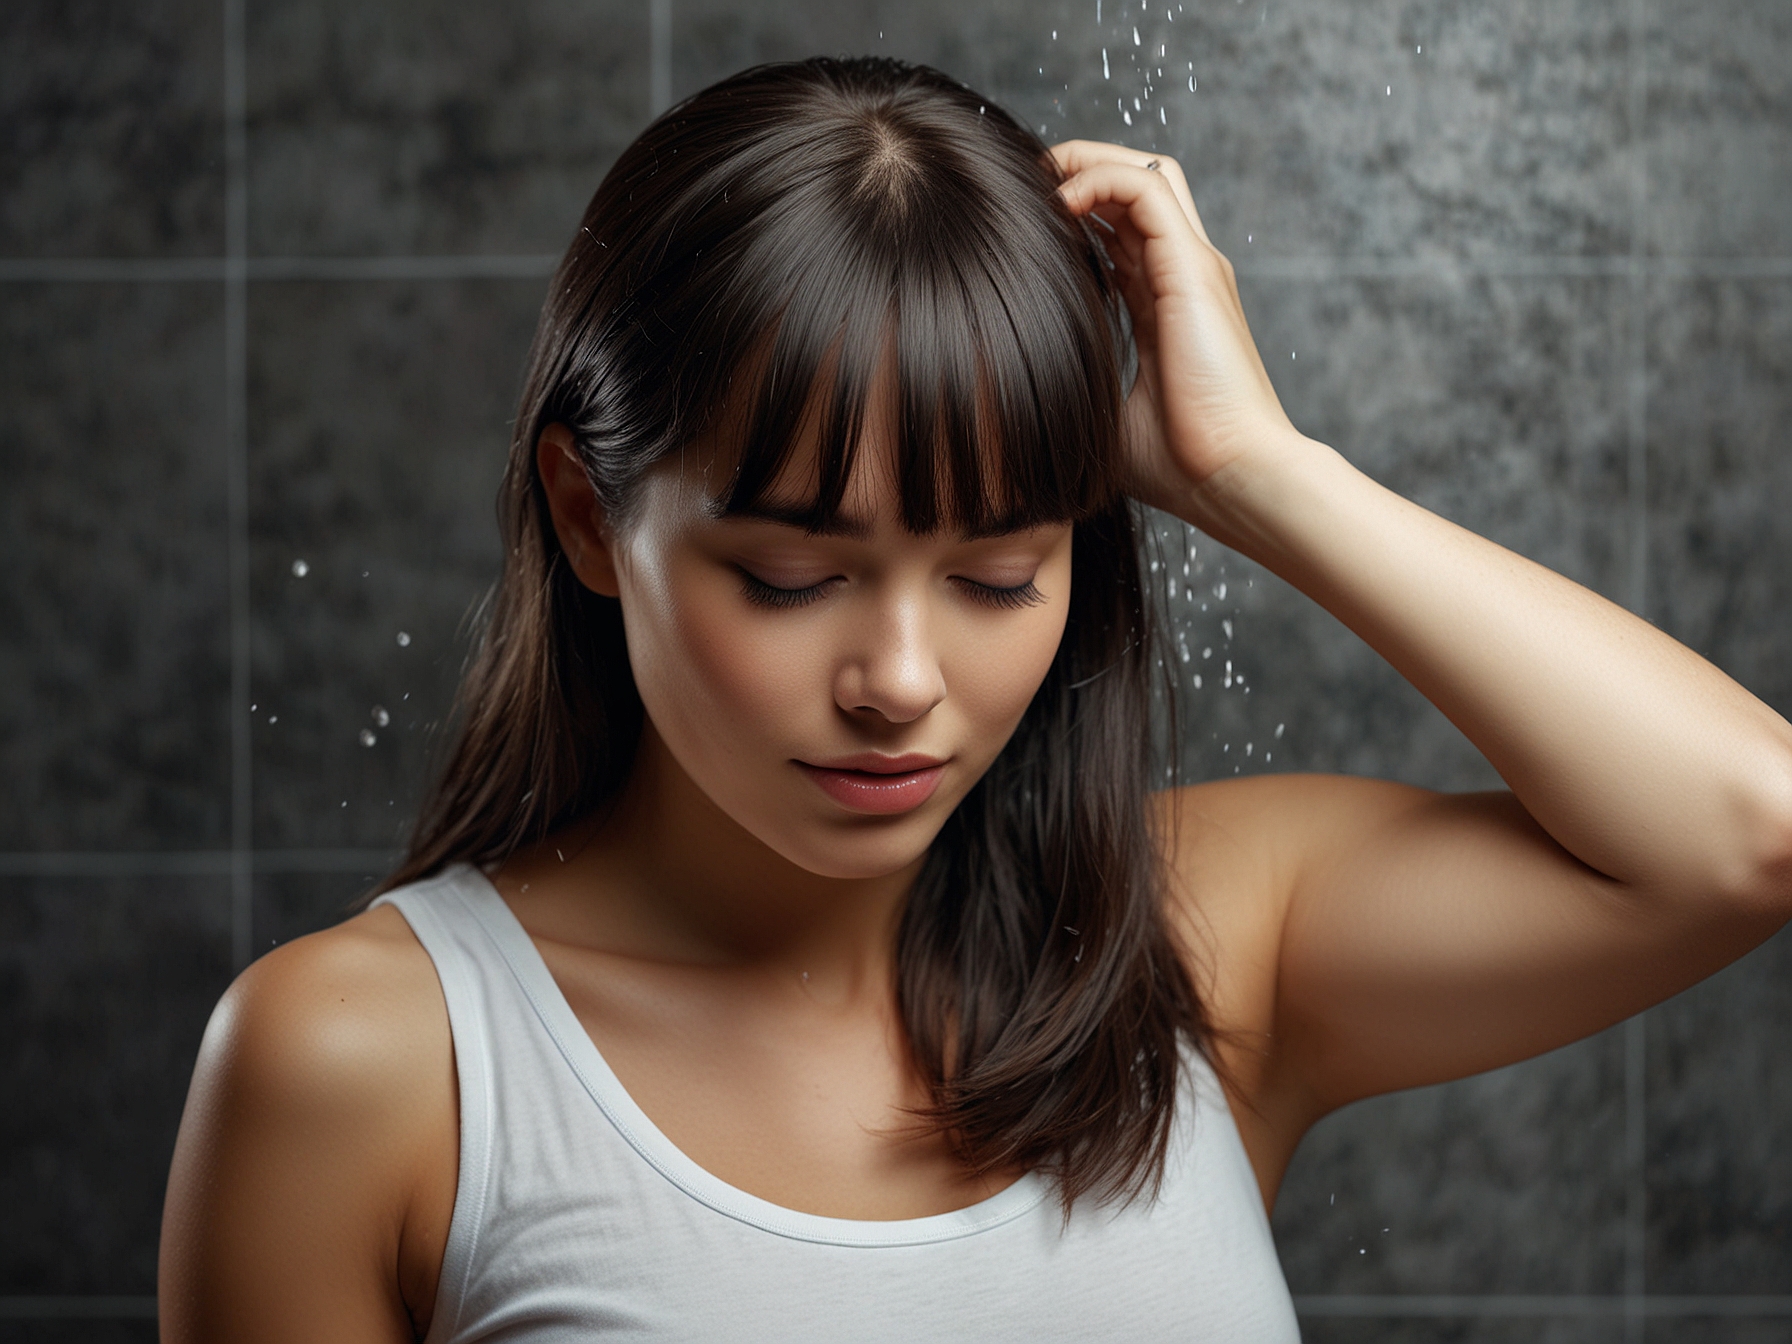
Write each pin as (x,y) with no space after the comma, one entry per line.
(1407,937)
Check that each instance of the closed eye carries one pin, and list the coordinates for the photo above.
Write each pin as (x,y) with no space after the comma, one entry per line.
(762,594)
(1020,595)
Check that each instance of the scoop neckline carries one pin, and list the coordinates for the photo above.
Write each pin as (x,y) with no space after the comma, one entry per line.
(651,1143)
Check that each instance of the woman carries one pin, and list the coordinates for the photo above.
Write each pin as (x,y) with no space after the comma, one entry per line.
(791,948)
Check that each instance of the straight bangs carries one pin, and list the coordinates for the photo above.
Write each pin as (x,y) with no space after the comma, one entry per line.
(917,259)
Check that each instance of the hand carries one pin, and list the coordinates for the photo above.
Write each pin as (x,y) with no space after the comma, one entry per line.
(1203,400)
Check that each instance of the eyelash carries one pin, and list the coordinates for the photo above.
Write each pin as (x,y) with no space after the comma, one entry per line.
(762,594)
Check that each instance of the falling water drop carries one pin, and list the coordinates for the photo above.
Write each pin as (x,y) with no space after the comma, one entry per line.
(404,639)
(300,569)
(1104,63)
(1135,35)
(380,716)
(369,737)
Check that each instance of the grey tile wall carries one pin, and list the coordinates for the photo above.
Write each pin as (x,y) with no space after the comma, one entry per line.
(111,128)
(378,422)
(1529,263)
(115,669)
(105,985)
(435,128)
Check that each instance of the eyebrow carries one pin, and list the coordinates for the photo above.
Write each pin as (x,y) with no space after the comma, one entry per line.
(802,516)
(850,525)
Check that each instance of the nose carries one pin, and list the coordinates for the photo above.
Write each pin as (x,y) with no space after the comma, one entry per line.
(894,669)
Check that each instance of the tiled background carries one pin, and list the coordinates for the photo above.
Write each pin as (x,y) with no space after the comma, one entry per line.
(267,272)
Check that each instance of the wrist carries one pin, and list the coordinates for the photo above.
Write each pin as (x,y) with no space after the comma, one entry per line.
(1250,503)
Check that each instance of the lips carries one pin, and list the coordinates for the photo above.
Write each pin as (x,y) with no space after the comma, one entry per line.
(877,785)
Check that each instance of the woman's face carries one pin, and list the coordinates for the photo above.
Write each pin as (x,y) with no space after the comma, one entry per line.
(837,695)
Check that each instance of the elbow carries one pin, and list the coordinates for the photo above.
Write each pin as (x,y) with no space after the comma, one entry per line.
(1762,881)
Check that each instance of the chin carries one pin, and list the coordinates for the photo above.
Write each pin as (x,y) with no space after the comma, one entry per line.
(860,851)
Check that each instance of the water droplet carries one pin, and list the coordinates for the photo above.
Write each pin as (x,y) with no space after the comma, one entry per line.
(300,569)
(1247,748)
(1104,63)
(380,716)
(1135,106)
(369,737)
(1228,674)
(1219,590)
(273,718)
(1191,83)
(1161,118)
(1226,625)
(1135,35)
(1279,728)
(404,639)
(1172,586)
(1197,681)
(1207,652)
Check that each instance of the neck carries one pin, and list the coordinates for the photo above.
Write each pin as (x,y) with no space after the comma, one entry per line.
(664,874)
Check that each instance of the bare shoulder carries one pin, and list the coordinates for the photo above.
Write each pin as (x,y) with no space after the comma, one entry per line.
(338,1018)
(314,1176)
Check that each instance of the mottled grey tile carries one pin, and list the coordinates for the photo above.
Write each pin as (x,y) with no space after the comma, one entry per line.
(1460,1330)
(1505,135)
(111,128)
(438,127)
(1719,1110)
(1510,1182)
(1719,1330)
(1719,128)
(1497,402)
(290,905)
(379,422)
(114,656)
(1720,475)
(105,986)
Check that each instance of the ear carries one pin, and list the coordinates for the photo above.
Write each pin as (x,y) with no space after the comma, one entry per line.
(579,520)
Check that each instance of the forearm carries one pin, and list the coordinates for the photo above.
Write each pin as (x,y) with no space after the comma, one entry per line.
(1637,756)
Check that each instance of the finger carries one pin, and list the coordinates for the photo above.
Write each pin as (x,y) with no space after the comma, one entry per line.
(1073,156)
(1148,201)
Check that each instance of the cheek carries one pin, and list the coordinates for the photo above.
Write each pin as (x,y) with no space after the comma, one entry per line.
(711,678)
(997,667)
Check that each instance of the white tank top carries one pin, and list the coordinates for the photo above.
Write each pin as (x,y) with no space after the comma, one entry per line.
(576,1219)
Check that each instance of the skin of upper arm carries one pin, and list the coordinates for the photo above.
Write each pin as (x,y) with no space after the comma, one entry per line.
(313,1178)
(1361,937)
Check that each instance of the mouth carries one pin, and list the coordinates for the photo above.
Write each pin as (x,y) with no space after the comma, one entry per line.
(878,785)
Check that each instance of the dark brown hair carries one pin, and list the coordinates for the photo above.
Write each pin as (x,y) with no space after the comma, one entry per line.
(771,243)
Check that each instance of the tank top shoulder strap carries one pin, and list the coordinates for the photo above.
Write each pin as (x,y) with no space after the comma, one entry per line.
(443,912)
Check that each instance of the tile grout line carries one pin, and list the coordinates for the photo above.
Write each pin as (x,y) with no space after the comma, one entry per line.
(659,46)
(530,266)
(1636,1192)
(236,418)
(190,863)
